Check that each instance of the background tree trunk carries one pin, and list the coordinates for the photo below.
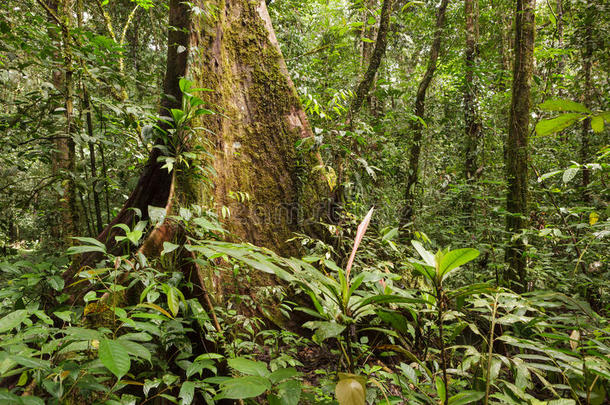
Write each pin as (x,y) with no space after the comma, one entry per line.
(375,60)
(471,117)
(517,143)
(420,109)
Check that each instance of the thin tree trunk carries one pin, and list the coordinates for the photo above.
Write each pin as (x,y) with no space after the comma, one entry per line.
(96,197)
(471,116)
(516,151)
(420,109)
(380,47)
(473,127)
(587,95)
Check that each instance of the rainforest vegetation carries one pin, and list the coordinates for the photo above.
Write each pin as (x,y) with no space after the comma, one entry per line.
(304,202)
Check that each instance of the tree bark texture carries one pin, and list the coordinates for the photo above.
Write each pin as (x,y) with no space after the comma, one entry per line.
(64,156)
(472,121)
(420,109)
(259,120)
(517,143)
(375,60)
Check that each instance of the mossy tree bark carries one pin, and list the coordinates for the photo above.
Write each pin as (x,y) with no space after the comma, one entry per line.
(516,152)
(420,109)
(63,159)
(234,52)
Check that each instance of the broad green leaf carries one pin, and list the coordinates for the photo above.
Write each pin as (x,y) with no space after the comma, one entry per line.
(440,389)
(244,387)
(114,357)
(283,374)
(135,349)
(75,250)
(547,175)
(547,127)
(324,330)
(597,123)
(466,397)
(169,247)
(289,392)
(563,105)
(90,241)
(156,214)
(569,174)
(173,301)
(30,362)
(248,367)
(455,259)
(350,391)
(13,320)
(427,256)
(187,393)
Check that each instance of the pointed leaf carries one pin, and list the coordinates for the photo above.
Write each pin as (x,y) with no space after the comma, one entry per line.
(563,105)
(547,127)
(12,320)
(427,256)
(249,367)
(359,234)
(114,357)
(244,387)
(466,397)
(187,393)
(455,259)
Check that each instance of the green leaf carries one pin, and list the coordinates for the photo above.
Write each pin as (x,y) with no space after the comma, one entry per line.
(244,387)
(440,389)
(289,392)
(569,174)
(173,301)
(75,250)
(248,367)
(283,374)
(169,247)
(547,127)
(350,391)
(597,123)
(13,320)
(324,330)
(135,349)
(563,105)
(427,256)
(187,393)
(455,259)
(114,357)
(466,397)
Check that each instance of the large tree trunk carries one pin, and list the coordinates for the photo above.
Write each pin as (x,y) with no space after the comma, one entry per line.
(517,144)
(420,109)
(259,120)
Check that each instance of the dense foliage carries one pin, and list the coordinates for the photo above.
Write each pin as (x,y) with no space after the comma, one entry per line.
(412,301)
